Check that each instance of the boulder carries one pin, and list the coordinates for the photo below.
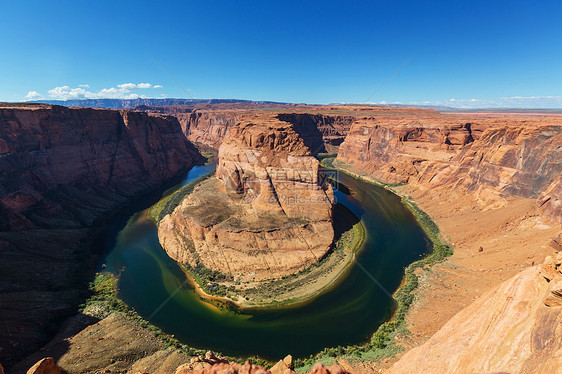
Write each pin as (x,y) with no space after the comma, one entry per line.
(319,368)
(284,366)
(554,298)
(45,366)
(224,368)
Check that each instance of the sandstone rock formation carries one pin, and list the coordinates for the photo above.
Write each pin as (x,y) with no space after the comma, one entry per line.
(62,171)
(320,132)
(207,127)
(114,344)
(204,363)
(54,150)
(502,158)
(248,368)
(272,167)
(283,366)
(45,366)
(208,123)
(550,200)
(225,368)
(521,161)
(267,214)
(515,328)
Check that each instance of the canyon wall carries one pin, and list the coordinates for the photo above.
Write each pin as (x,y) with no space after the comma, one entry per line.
(274,169)
(460,168)
(502,158)
(64,170)
(267,214)
(320,132)
(208,124)
(207,127)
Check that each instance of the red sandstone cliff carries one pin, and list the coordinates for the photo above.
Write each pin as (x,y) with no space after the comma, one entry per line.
(320,132)
(514,328)
(208,124)
(268,214)
(506,157)
(62,170)
(207,127)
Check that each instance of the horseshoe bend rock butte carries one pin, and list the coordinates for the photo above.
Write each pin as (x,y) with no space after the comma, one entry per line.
(267,213)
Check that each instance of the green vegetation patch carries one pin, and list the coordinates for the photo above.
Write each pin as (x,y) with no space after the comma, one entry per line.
(167,205)
(103,301)
(383,342)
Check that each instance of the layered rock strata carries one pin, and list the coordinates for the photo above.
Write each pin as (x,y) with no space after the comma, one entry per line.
(514,328)
(208,123)
(505,158)
(62,171)
(267,214)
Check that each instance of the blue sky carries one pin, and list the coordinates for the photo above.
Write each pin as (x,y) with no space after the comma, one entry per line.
(471,54)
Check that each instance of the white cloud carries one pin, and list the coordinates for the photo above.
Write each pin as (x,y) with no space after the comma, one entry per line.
(122,91)
(33,95)
(158,86)
(127,86)
(67,93)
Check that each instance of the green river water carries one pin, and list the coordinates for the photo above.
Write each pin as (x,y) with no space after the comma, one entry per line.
(151,283)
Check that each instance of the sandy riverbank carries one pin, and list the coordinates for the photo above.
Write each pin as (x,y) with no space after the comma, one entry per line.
(293,289)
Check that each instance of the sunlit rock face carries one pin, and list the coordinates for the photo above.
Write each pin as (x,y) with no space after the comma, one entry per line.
(514,328)
(268,212)
(275,171)
(490,159)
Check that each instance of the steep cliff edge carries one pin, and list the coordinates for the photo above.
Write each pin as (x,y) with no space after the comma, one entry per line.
(207,127)
(515,328)
(321,132)
(492,184)
(508,161)
(504,158)
(267,214)
(62,171)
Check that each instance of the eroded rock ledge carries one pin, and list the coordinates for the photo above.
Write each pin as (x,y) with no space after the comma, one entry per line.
(491,159)
(63,170)
(516,328)
(267,214)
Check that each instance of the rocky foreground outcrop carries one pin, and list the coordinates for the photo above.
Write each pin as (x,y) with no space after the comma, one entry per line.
(62,171)
(248,368)
(267,214)
(514,328)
